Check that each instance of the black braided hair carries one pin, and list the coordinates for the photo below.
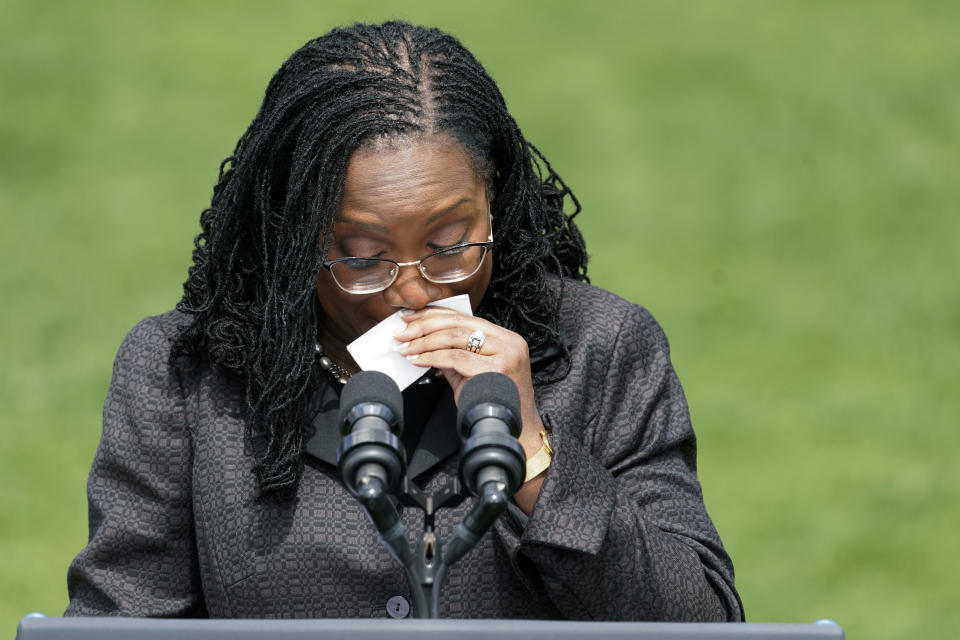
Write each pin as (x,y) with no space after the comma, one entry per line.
(251,291)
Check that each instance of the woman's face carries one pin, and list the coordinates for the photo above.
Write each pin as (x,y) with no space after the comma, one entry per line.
(403,202)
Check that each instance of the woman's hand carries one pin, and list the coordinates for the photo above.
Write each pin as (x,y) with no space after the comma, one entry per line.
(438,337)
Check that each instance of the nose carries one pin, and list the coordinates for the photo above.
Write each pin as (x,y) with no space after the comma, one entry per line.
(411,290)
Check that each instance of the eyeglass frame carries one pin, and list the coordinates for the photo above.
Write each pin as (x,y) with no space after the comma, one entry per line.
(487,245)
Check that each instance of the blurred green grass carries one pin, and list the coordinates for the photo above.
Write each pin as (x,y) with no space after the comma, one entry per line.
(777,182)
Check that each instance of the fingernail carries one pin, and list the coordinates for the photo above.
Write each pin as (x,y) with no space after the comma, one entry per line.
(406,312)
(413,357)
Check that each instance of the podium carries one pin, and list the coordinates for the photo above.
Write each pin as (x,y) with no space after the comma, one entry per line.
(40,628)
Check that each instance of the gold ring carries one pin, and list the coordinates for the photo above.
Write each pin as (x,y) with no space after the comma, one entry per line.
(475,343)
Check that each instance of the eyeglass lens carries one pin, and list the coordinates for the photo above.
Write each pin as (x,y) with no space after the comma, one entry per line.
(367,275)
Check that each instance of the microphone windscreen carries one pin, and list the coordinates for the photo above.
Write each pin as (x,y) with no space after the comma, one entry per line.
(371,386)
(490,387)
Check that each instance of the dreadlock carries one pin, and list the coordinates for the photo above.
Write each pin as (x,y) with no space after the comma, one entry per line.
(251,292)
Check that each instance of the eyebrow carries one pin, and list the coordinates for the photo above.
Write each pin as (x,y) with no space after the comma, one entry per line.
(382,229)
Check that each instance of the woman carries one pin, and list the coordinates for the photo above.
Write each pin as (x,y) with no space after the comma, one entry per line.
(381,156)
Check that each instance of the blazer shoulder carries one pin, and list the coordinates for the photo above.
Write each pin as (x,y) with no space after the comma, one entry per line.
(144,353)
(590,314)
(157,328)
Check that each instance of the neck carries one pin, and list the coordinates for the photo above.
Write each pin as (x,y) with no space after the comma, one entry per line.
(339,354)
(336,349)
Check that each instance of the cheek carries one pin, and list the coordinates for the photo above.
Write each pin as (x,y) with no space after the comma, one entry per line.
(348,314)
(335,304)
(328,293)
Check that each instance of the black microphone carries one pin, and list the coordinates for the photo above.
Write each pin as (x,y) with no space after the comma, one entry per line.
(489,420)
(491,459)
(371,419)
(372,462)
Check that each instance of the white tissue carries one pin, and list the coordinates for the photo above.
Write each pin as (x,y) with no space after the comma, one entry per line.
(376,349)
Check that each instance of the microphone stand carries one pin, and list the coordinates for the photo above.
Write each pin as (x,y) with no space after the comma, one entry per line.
(429,567)
(490,504)
(426,567)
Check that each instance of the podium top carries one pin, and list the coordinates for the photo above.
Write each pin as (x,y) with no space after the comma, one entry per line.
(39,628)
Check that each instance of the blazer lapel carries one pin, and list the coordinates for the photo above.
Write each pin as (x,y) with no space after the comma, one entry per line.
(326,437)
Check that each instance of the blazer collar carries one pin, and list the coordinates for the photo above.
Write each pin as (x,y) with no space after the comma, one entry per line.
(438,441)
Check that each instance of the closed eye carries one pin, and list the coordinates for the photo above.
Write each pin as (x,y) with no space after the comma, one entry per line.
(443,247)
(375,256)
(453,249)
(361,263)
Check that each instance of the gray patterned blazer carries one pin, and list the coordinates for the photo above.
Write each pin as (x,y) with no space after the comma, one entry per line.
(619,531)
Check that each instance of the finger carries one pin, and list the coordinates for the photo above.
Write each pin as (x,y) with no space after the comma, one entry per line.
(457,337)
(426,324)
(409,316)
(460,361)
(419,313)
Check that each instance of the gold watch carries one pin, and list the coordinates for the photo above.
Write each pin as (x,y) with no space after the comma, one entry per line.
(540,461)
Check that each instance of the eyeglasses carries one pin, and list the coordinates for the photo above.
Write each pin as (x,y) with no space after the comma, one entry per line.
(370,275)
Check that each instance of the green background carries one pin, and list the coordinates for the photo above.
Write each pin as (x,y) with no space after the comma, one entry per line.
(777,181)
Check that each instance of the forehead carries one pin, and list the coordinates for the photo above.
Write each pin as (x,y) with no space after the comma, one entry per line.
(410,176)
